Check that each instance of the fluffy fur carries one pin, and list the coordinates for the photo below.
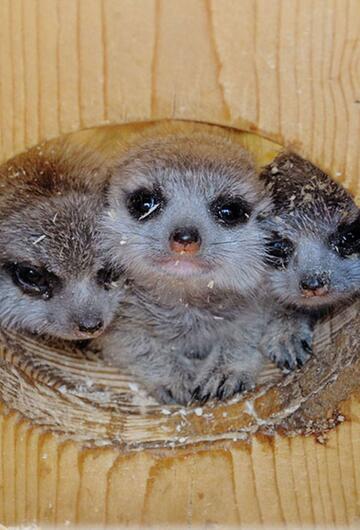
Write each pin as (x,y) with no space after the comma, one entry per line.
(190,325)
(51,199)
(192,172)
(314,241)
(316,215)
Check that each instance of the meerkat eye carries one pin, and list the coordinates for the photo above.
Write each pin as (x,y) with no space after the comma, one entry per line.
(346,241)
(279,251)
(106,277)
(32,280)
(143,203)
(230,211)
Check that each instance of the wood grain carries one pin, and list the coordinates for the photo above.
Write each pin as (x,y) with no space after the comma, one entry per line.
(286,69)
(278,481)
(161,465)
(74,393)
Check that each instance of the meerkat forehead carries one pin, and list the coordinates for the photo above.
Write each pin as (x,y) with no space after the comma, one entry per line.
(204,162)
(50,200)
(59,234)
(304,195)
(50,170)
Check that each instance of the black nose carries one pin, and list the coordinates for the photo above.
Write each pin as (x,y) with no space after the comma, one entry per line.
(185,236)
(312,283)
(89,325)
(185,240)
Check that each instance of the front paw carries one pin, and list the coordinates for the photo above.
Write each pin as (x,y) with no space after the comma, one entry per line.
(291,349)
(179,394)
(222,384)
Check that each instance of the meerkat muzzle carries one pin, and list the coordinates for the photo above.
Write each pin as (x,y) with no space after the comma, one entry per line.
(90,327)
(185,240)
(322,291)
(315,286)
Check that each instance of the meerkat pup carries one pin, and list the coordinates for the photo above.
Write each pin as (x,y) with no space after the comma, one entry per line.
(314,247)
(183,222)
(52,279)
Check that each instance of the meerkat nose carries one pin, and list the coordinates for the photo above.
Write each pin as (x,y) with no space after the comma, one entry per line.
(185,239)
(317,285)
(90,325)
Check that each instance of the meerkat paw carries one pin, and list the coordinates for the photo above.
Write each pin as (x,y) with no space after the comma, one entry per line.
(291,347)
(173,394)
(222,385)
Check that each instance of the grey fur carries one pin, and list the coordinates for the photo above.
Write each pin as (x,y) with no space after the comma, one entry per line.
(192,170)
(310,208)
(51,199)
(188,335)
(313,213)
(173,348)
(287,336)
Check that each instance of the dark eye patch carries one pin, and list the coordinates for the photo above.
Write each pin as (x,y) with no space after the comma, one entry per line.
(107,276)
(230,211)
(346,240)
(144,204)
(32,280)
(279,251)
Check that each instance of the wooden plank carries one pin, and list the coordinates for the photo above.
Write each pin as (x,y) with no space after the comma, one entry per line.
(281,481)
(288,70)
(285,69)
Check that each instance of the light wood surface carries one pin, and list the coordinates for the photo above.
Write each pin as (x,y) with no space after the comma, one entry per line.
(286,69)
(276,481)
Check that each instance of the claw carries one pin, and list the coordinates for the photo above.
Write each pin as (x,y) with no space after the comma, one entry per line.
(220,393)
(307,347)
(241,387)
(273,358)
(204,399)
(220,390)
(286,365)
(196,394)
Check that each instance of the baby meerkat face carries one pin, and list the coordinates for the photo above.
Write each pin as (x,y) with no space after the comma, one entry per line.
(51,279)
(314,241)
(315,264)
(185,210)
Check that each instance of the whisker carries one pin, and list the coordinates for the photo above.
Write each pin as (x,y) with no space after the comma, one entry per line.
(139,234)
(223,242)
(134,243)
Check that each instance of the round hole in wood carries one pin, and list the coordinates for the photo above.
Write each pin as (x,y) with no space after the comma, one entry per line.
(73,392)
